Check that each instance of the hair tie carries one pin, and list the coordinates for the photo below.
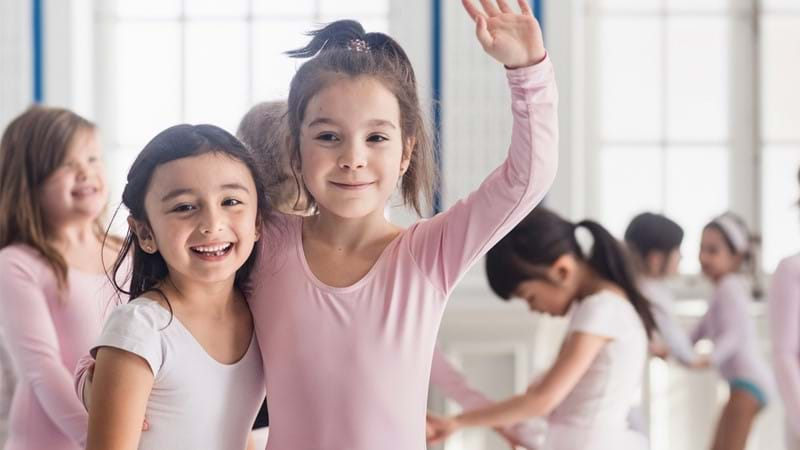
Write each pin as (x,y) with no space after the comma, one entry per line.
(584,238)
(735,231)
(357,45)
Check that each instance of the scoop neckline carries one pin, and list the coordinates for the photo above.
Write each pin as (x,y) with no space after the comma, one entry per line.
(198,344)
(301,254)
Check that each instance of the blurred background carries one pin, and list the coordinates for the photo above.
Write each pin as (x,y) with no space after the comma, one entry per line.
(685,107)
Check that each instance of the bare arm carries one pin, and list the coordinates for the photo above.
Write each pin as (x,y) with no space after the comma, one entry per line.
(577,354)
(121,387)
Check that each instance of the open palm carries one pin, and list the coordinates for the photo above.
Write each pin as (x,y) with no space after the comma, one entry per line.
(514,39)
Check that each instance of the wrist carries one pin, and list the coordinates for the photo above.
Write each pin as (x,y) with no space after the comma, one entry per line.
(533,60)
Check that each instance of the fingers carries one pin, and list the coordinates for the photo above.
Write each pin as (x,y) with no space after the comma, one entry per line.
(145,425)
(525,7)
(472,10)
(490,9)
(482,32)
(503,5)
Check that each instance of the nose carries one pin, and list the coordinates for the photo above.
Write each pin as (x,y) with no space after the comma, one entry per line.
(353,157)
(211,221)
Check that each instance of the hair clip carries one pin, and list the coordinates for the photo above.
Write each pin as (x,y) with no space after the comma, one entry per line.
(358,45)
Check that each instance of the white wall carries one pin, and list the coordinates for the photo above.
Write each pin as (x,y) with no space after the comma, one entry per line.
(16,47)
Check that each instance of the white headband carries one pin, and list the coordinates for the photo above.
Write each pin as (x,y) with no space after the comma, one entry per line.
(735,231)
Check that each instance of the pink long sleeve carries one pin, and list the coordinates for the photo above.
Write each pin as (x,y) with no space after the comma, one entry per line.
(784,317)
(367,388)
(453,384)
(449,243)
(45,333)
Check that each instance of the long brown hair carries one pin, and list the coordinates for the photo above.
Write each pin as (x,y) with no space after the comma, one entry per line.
(343,50)
(33,146)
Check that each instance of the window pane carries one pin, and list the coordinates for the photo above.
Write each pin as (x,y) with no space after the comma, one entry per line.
(144,80)
(216,73)
(354,7)
(697,181)
(779,211)
(780,5)
(272,70)
(273,8)
(628,5)
(631,183)
(216,8)
(629,57)
(697,78)
(779,77)
(371,24)
(144,8)
(698,5)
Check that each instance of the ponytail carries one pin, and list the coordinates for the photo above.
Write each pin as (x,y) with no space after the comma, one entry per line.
(609,259)
(543,237)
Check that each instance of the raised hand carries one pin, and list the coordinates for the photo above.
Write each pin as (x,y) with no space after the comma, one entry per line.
(514,39)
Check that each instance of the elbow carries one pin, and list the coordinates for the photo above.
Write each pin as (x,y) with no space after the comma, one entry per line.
(539,402)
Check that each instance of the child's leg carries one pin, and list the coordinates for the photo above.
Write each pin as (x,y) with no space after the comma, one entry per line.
(736,420)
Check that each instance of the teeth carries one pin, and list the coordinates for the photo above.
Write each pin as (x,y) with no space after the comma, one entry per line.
(213,248)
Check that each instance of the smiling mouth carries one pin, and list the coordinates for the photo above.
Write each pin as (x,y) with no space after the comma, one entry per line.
(213,250)
(352,186)
(84,191)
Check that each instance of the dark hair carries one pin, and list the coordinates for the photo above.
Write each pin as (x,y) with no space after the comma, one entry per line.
(543,237)
(343,50)
(33,146)
(650,232)
(176,142)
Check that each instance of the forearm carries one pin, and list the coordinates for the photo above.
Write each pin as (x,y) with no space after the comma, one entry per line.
(505,413)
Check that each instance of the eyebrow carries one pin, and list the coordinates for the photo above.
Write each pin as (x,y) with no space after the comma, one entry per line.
(178,192)
(373,122)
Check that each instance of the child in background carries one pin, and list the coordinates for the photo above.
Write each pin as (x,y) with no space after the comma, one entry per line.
(264,129)
(784,319)
(54,291)
(588,392)
(725,248)
(183,352)
(655,244)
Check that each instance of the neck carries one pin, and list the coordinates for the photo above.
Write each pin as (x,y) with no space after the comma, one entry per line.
(73,235)
(214,297)
(590,282)
(347,233)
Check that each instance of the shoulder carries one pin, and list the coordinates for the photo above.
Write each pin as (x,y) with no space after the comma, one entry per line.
(142,314)
(19,259)
(21,254)
(789,266)
(733,285)
(605,313)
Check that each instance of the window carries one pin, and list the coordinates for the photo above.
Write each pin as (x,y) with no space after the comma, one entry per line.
(163,62)
(679,115)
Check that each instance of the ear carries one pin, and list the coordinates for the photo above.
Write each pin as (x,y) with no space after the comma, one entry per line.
(654,262)
(259,224)
(143,235)
(408,151)
(563,268)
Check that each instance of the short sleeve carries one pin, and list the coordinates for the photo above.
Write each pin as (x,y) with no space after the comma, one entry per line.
(136,328)
(606,315)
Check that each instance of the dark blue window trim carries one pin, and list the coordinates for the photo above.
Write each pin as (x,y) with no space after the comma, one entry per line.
(436,85)
(38,55)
